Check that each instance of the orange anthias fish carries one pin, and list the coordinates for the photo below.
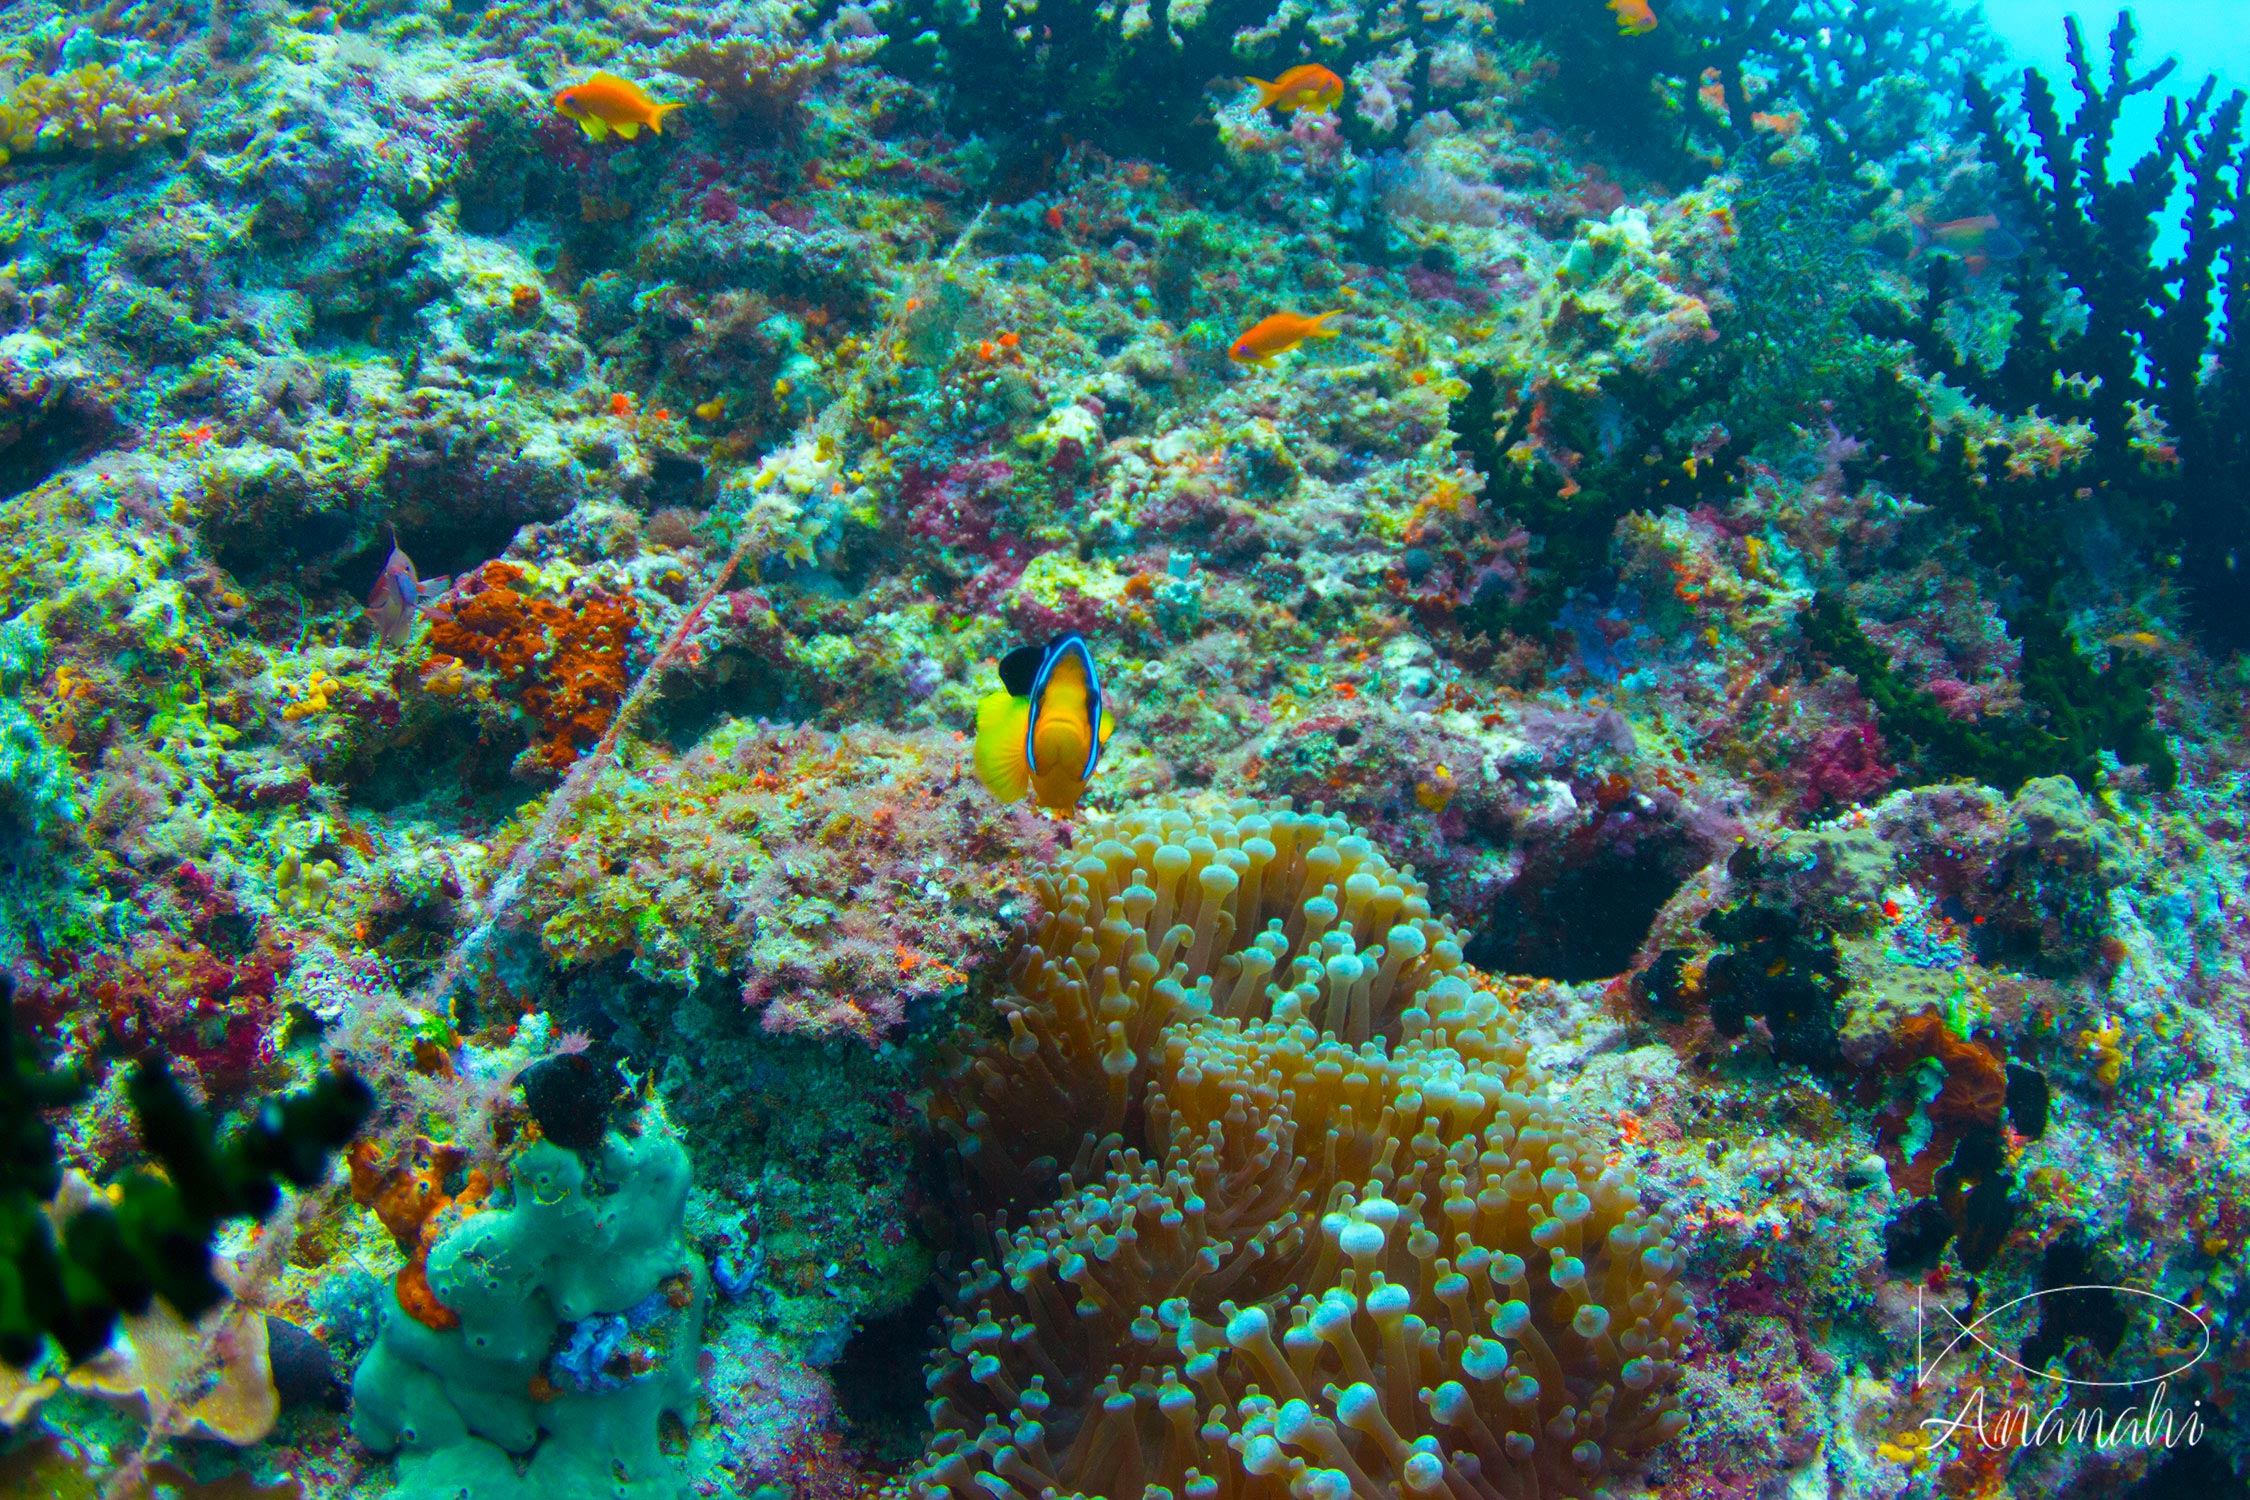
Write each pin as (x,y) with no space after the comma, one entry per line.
(1269,338)
(1306,86)
(605,102)
(1634,18)
(1044,730)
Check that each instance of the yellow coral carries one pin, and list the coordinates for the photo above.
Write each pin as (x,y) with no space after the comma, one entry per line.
(92,107)
(2101,1048)
(312,696)
(302,887)
(1911,1448)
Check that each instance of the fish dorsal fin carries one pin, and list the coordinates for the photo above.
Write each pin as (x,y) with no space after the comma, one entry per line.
(1019,669)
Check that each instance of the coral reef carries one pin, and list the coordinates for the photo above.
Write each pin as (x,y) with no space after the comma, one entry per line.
(1140,89)
(842,885)
(1758,544)
(89,108)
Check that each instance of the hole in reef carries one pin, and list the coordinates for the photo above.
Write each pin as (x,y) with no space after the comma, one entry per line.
(2198,1472)
(732,685)
(878,1378)
(50,440)
(1582,903)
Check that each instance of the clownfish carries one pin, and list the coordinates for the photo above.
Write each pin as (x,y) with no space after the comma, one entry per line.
(1634,18)
(1269,338)
(605,102)
(1306,86)
(1043,731)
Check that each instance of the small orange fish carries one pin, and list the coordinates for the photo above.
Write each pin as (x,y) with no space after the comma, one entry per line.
(1306,86)
(1269,338)
(1634,18)
(605,102)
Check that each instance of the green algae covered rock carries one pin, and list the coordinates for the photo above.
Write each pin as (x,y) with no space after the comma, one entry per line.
(581,1310)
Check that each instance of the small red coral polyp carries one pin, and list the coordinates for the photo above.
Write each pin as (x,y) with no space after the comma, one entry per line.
(565,661)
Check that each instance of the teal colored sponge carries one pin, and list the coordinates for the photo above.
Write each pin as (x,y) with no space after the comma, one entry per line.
(34,776)
(581,1313)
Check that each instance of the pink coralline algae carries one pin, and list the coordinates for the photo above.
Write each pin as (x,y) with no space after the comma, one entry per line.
(1846,764)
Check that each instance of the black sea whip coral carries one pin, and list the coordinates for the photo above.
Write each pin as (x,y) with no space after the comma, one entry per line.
(1328,1234)
(2161,336)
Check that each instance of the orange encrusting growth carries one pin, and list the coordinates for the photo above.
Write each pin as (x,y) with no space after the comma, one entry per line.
(408,1195)
(566,660)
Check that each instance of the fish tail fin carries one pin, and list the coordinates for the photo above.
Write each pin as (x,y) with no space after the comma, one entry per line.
(656,117)
(1002,719)
(1320,329)
(1267,92)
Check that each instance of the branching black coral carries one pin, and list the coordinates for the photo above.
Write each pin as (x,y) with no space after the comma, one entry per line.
(2085,711)
(2147,349)
(156,1240)
(1129,82)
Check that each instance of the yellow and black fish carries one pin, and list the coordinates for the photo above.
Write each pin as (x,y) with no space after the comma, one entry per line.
(1043,731)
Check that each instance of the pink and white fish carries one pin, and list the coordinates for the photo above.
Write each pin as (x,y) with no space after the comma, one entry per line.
(398,597)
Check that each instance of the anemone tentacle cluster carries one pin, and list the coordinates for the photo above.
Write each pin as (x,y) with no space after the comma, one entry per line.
(1324,1230)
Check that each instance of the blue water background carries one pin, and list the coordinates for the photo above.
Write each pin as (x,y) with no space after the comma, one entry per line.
(2209,37)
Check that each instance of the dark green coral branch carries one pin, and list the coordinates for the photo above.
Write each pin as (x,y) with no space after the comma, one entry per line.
(155,1241)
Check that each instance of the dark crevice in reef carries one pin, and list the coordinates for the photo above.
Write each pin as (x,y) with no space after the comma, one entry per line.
(1582,905)
(734,685)
(878,1379)
(37,446)
(2192,1473)
(2079,1304)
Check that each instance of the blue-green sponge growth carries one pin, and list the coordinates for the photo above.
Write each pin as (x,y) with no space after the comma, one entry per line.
(34,776)
(35,781)
(581,1310)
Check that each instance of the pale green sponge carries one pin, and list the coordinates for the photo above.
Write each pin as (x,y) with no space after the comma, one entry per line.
(581,1313)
